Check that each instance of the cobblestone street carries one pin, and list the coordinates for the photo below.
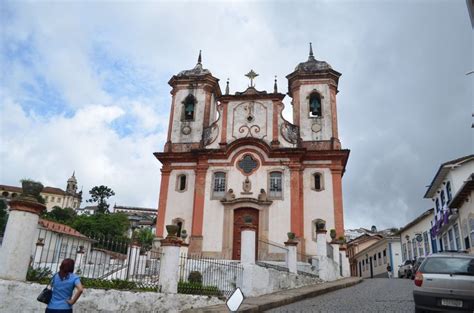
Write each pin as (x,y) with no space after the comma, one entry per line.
(372,295)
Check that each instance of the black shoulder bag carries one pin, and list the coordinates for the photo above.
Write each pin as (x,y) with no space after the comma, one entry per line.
(47,293)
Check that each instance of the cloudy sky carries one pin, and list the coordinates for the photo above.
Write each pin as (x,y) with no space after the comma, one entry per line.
(84,87)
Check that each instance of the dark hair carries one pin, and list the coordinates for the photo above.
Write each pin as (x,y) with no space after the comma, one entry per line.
(66,267)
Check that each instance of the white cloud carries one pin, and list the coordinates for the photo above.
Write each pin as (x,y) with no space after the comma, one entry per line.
(403,93)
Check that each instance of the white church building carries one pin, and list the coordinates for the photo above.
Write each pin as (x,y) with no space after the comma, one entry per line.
(233,158)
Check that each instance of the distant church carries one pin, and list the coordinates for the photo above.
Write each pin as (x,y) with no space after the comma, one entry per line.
(233,158)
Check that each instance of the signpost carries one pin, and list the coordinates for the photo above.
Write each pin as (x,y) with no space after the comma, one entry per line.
(235,300)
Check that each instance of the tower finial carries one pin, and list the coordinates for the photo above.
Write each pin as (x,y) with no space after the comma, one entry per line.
(275,87)
(227,87)
(311,56)
(199,57)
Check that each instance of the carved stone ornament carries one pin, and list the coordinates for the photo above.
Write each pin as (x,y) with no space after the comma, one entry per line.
(209,134)
(186,130)
(316,127)
(290,132)
(263,195)
(246,186)
(229,195)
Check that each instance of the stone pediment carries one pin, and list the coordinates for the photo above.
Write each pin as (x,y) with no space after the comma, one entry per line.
(246,200)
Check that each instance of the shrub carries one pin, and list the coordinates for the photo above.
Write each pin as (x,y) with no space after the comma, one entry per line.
(195,277)
(198,289)
(39,274)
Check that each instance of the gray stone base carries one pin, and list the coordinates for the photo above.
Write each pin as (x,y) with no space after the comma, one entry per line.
(21,296)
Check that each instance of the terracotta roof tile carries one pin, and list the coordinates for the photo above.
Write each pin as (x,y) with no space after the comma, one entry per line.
(60,228)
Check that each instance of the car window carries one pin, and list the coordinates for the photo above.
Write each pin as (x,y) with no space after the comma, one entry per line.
(448,266)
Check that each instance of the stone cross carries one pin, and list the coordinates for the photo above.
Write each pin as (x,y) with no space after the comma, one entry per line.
(251,75)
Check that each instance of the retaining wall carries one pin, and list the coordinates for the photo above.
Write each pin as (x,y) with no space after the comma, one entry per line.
(21,296)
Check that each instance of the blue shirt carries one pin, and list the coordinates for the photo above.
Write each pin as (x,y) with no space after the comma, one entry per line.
(62,291)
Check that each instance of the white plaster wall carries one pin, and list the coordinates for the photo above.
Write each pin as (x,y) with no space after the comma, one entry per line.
(16,250)
(279,210)
(466,212)
(459,175)
(12,293)
(259,281)
(306,122)
(419,228)
(61,201)
(396,256)
(237,117)
(317,204)
(180,204)
(196,126)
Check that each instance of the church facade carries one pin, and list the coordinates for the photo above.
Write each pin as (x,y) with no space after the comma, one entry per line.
(232,159)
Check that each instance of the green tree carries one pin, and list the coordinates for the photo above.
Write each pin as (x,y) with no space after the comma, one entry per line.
(3,216)
(65,216)
(100,194)
(113,226)
(145,237)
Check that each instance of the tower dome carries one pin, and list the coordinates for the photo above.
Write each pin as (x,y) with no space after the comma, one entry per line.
(312,65)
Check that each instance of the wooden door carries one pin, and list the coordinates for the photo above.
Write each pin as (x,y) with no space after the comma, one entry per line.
(238,223)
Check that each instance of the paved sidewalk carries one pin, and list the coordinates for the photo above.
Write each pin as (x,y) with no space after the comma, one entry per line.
(277,299)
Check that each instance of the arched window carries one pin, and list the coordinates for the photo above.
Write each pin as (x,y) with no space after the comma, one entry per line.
(276,185)
(318,182)
(181,182)
(189,108)
(315,105)
(219,185)
(5,194)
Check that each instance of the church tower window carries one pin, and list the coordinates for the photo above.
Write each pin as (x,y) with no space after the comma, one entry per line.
(218,190)
(315,105)
(189,108)
(318,182)
(181,182)
(276,185)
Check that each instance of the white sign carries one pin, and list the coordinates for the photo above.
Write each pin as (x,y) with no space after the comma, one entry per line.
(235,300)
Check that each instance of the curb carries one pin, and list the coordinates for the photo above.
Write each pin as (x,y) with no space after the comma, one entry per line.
(281,298)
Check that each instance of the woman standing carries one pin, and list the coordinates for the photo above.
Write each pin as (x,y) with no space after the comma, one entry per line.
(63,284)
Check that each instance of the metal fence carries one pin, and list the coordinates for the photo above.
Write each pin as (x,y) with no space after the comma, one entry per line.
(206,276)
(272,255)
(99,257)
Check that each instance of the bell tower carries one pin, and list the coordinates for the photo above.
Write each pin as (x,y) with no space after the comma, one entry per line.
(72,184)
(313,88)
(193,107)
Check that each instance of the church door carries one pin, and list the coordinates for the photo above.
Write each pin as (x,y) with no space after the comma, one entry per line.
(239,215)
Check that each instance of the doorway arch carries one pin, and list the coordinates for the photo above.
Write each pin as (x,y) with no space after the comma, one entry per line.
(240,215)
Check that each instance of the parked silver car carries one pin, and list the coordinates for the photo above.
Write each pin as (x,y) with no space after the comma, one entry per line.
(444,282)
(405,269)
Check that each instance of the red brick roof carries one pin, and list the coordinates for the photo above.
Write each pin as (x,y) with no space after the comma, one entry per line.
(47,189)
(60,228)
(10,188)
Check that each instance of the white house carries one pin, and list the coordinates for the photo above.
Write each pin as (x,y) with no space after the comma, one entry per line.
(446,227)
(372,261)
(53,196)
(416,237)
(463,202)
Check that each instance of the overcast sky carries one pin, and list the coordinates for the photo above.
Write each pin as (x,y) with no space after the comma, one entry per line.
(84,88)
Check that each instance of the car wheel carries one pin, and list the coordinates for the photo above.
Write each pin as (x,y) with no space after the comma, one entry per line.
(409,274)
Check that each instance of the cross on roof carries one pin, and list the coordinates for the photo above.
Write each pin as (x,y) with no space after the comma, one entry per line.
(251,75)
